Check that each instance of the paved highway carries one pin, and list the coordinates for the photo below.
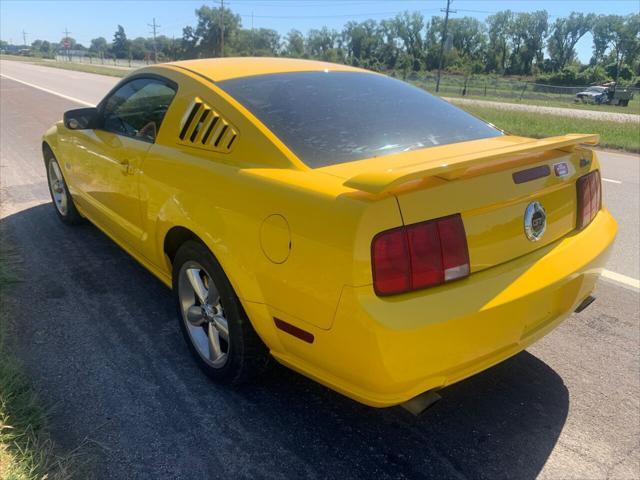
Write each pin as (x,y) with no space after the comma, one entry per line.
(99,337)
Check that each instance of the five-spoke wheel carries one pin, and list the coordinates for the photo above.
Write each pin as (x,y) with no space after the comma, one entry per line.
(212,319)
(203,313)
(62,201)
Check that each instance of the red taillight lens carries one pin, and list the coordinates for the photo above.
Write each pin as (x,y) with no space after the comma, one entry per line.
(391,270)
(455,254)
(424,253)
(420,255)
(589,198)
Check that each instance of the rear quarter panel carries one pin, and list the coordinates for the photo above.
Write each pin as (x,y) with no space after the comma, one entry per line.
(225,199)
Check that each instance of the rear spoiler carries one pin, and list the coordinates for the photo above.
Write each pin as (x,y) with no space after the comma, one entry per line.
(378,181)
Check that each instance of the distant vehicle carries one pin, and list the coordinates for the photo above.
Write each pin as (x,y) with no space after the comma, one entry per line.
(360,230)
(606,94)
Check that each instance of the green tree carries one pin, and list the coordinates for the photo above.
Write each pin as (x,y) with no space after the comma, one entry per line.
(409,29)
(469,37)
(294,44)
(390,50)
(499,27)
(139,49)
(42,48)
(120,46)
(204,40)
(621,36)
(99,46)
(324,44)
(527,33)
(565,34)
(168,48)
(362,43)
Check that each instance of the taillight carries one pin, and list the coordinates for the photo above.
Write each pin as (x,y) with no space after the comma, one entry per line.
(420,255)
(589,198)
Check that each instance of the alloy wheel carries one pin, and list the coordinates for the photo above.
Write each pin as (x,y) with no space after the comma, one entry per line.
(203,314)
(58,188)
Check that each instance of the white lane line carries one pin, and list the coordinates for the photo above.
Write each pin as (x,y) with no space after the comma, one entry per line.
(67,97)
(623,279)
(611,181)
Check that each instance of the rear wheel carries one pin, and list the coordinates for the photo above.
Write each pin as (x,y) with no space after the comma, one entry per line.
(213,322)
(62,200)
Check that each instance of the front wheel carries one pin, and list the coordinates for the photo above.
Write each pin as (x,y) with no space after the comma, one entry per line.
(60,196)
(213,322)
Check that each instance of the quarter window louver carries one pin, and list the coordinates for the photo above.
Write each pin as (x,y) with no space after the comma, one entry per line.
(203,127)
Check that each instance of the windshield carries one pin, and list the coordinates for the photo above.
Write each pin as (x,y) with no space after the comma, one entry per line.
(327,118)
(596,89)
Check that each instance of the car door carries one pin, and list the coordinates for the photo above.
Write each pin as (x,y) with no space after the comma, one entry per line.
(109,159)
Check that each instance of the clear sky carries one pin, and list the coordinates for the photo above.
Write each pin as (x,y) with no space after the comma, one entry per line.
(89,19)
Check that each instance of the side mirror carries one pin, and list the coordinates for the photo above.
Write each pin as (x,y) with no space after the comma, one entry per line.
(81,118)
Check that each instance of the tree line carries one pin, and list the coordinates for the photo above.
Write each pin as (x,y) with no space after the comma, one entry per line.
(507,43)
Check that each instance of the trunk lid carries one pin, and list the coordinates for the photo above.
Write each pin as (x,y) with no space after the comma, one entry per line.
(489,182)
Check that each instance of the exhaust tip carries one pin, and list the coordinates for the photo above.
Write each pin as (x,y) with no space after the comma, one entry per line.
(585,303)
(417,405)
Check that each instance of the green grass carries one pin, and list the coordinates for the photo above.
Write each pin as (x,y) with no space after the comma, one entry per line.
(76,67)
(509,90)
(634,105)
(616,135)
(26,451)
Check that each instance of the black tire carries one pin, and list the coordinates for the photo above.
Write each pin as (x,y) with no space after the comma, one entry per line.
(69,215)
(247,356)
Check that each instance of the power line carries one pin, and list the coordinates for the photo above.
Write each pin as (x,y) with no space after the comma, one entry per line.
(154,26)
(346,15)
(444,37)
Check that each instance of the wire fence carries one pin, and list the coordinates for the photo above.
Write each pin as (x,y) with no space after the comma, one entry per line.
(492,87)
(107,62)
(499,87)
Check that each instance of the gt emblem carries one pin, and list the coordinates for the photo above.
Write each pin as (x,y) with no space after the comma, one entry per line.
(535,221)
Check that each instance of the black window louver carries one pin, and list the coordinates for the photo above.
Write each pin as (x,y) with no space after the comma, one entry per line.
(192,115)
(203,127)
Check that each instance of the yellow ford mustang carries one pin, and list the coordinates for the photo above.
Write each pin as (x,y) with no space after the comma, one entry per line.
(361,231)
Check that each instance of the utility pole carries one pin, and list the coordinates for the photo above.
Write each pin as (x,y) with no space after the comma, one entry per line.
(154,26)
(24,37)
(67,43)
(221,21)
(444,39)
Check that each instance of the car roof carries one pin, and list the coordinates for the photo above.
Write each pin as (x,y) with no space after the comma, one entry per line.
(218,69)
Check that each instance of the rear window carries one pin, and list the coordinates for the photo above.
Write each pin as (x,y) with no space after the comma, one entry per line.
(327,118)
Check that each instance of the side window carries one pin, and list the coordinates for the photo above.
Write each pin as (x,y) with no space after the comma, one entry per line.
(137,108)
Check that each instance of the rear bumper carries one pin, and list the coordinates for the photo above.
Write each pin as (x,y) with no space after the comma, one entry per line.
(384,351)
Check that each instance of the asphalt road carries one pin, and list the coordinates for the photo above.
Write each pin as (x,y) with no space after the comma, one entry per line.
(99,337)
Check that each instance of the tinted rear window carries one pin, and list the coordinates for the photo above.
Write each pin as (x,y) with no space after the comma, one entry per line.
(335,117)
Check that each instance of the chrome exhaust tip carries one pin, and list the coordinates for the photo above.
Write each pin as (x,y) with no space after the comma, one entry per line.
(417,405)
(585,303)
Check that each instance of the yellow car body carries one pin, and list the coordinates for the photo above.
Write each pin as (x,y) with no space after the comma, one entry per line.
(295,242)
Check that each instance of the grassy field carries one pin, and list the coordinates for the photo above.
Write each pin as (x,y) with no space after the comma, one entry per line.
(633,108)
(616,135)
(509,90)
(26,452)
(77,67)
(625,136)
(449,88)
